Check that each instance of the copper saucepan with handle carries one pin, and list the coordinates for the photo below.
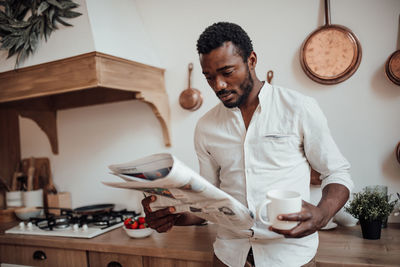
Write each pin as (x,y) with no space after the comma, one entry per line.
(330,54)
(392,66)
(270,75)
(190,98)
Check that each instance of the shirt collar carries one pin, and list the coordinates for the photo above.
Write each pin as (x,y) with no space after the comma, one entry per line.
(264,93)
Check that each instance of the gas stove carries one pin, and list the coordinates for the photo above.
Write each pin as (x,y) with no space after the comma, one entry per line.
(73,224)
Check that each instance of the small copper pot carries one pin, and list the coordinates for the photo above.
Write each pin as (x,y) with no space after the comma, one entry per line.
(190,98)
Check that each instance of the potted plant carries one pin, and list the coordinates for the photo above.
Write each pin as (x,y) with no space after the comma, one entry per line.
(371,207)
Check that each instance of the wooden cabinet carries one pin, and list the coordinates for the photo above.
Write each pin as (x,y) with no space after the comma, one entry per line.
(100,259)
(42,256)
(160,262)
(189,246)
(39,92)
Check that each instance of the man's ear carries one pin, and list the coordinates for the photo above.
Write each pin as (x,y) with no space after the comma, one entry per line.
(252,61)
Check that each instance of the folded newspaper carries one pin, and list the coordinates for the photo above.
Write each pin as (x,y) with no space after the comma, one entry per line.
(177,185)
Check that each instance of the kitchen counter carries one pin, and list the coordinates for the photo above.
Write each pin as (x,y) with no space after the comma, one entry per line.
(192,246)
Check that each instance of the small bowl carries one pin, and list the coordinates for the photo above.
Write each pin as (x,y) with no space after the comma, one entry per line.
(138,233)
(27,213)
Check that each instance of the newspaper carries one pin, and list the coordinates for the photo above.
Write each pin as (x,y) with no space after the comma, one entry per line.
(177,185)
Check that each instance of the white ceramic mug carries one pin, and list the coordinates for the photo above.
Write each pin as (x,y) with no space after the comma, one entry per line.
(280,202)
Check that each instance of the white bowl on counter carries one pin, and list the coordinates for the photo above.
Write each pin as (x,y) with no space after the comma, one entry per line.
(138,233)
(27,213)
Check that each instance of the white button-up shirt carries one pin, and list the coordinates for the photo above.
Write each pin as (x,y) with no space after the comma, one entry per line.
(287,135)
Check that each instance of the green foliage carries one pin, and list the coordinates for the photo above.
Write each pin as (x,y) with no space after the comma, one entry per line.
(370,205)
(24,22)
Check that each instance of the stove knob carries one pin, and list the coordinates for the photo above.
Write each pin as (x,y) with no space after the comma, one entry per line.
(75,227)
(84,227)
(29,225)
(22,225)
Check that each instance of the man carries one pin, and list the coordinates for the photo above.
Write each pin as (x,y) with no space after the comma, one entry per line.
(258,138)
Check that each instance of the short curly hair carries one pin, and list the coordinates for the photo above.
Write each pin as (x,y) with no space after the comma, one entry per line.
(216,35)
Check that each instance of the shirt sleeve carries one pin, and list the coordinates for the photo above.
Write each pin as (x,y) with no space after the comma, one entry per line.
(320,148)
(209,168)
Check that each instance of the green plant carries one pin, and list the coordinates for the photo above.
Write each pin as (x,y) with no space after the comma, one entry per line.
(370,205)
(24,22)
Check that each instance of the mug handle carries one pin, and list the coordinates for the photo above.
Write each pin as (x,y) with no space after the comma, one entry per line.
(260,208)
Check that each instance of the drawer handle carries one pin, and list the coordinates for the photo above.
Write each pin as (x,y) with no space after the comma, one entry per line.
(114,264)
(39,255)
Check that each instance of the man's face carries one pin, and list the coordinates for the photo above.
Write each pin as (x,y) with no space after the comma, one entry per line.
(227,75)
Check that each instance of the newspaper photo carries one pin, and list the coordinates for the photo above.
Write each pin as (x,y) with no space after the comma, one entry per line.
(177,185)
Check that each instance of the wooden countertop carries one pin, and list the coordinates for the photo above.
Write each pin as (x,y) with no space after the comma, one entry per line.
(182,242)
(343,246)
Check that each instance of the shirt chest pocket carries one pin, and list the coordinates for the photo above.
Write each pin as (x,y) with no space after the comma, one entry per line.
(277,150)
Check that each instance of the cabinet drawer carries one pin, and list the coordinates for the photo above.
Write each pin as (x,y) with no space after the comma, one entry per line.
(42,256)
(99,259)
(158,262)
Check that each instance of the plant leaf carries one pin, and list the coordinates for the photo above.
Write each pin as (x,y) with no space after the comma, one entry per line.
(33,40)
(70,14)
(63,22)
(43,6)
(55,3)
(6,28)
(11,52)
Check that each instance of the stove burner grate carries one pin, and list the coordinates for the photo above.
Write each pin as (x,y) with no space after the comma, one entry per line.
(104,220)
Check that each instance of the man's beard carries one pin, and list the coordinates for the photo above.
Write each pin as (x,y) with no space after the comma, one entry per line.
(246,86)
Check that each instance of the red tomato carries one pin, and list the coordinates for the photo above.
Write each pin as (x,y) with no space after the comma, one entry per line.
(134,225)
(127,221)
(141,220)
(142,226)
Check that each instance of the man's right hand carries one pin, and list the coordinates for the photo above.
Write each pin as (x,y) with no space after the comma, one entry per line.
(160,220)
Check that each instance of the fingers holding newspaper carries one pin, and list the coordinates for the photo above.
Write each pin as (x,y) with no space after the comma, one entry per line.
(161,220)
(164,219)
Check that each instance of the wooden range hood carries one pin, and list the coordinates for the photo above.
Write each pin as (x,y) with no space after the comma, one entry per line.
(39,91)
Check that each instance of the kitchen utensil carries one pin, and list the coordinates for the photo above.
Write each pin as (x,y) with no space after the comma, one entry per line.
(190,98)
(45,174)
(392,66)
(42,174)
(93,209)
(14,181)
(330,54)
(31,173)
(3,184)
(59,200)
(270,75)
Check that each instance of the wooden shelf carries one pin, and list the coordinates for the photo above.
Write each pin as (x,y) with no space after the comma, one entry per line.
(39,91)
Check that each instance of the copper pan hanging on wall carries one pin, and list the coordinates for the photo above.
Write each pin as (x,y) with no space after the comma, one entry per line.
(392,66)
(330,54)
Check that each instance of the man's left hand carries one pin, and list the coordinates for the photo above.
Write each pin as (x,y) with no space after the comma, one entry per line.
(310,218)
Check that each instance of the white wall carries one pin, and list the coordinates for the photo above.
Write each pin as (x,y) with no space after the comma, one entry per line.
(118,30)
(363,111)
